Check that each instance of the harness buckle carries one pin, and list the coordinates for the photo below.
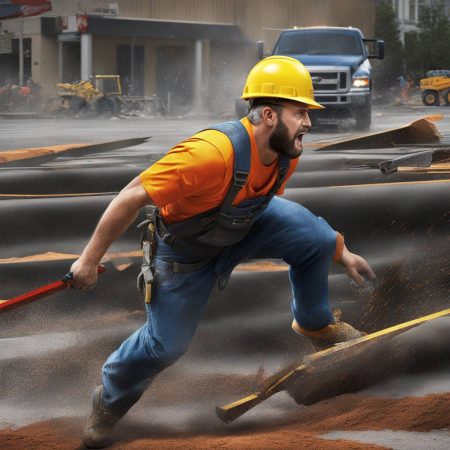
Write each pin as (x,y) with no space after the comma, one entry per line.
(238,220)
(240,178)
(143,224)
(145,282)
(168,238)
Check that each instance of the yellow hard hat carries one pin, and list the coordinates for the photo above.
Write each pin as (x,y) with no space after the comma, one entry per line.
(280,77)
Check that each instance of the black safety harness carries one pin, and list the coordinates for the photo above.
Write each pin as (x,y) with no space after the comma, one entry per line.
(205,235)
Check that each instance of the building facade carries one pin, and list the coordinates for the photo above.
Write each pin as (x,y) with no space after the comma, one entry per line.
(189,53)
(409,13)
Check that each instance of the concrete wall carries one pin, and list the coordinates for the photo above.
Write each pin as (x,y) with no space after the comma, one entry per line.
(259,18)
(220,11)
(48,67)
(105,60)
(192,10)
(252,15)
(104,54)
(36,65)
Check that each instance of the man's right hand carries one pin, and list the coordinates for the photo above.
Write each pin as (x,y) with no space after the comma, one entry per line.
(85,275)
(120,214)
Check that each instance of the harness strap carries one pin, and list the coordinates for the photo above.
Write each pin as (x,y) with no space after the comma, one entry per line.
(240,140)
(146,277)
(284,166)
(238,135)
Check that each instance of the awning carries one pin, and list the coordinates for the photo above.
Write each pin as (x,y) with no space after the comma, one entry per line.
(150,28)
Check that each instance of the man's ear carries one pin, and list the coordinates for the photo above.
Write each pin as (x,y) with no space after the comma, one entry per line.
(269,116)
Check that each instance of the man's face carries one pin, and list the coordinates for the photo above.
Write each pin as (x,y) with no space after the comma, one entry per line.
(293,124)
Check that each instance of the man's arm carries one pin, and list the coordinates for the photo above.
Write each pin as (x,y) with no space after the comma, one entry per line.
(119,215)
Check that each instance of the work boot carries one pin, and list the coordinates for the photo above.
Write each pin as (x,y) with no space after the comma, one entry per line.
(98,430)
(331,334)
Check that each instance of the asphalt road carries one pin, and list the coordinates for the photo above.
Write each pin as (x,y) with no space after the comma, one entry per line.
(52,351)
(165,132)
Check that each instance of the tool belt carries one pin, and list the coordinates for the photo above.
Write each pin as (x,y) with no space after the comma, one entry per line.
(148,242)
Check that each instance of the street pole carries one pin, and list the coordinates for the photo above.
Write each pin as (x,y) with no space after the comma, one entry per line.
(198,82)
(132,67)
(86,56)
(21,53)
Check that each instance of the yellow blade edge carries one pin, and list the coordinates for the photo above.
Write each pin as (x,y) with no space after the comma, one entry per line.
(345,345)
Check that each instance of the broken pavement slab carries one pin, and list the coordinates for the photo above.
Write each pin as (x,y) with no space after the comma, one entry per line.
(333,371)
(413,161)
(41,154)
(31,196)
(433,168)
(8,156)
(419,131)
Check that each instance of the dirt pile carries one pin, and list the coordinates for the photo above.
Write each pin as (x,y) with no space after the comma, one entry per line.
(298,429)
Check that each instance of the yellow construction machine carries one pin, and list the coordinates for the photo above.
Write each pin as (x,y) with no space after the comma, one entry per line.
(99,95)
(436,86)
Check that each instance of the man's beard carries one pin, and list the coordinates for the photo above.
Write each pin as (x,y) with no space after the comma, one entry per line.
(282,143)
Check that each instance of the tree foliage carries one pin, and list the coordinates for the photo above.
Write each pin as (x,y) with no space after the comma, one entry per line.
(429,49)
(388,70)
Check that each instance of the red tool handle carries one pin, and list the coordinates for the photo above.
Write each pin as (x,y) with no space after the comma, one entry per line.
(38,293)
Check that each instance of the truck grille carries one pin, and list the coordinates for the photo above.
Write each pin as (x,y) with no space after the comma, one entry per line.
(330,80)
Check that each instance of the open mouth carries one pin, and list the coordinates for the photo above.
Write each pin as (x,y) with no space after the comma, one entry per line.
(299,137)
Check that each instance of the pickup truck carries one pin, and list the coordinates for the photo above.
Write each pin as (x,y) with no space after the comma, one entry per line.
(338,60)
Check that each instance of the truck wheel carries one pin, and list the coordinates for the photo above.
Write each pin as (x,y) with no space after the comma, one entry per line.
(71,105)
(430,98)
(363,118)
(106,105)
(446,96)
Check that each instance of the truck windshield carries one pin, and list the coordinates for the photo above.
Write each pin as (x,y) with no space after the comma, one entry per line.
(318,43)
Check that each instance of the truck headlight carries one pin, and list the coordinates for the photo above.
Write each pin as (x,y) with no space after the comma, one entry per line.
(360,82)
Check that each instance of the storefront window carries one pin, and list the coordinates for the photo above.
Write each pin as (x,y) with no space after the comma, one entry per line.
(9,63)
(413,10)
(421,5)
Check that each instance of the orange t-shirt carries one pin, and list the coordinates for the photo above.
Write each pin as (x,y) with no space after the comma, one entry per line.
(196,174)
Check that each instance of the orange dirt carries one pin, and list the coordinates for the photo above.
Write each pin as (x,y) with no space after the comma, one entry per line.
(251,266)
(53,256)
(27,153)
(299,429)
(262,266)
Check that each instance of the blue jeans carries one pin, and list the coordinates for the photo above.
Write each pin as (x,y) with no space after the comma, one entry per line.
(285,230)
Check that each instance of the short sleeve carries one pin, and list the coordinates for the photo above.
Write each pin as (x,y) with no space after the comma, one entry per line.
(190,169)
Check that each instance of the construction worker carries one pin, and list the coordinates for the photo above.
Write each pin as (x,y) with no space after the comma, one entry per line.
(216,202)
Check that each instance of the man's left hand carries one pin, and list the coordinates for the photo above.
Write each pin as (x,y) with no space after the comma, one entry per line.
(356,267)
